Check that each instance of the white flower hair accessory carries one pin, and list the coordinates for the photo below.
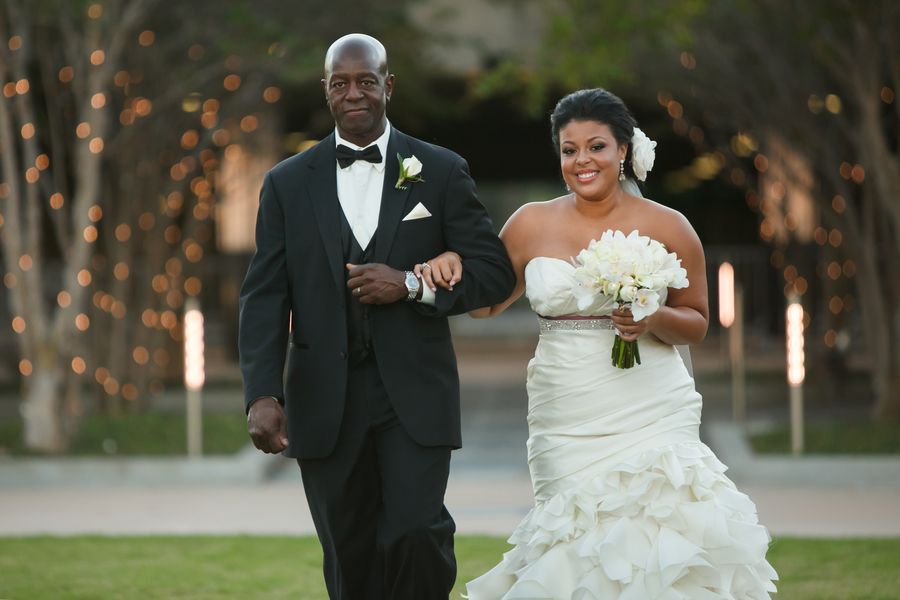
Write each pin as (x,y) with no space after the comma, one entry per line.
(643,154)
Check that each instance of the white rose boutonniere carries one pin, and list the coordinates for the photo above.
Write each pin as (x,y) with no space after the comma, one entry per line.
(409,171)
(643,154)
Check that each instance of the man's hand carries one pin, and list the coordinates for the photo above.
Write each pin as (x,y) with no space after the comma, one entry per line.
(267,425)
(377,284)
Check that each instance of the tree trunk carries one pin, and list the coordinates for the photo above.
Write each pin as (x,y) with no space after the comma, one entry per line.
(41,410)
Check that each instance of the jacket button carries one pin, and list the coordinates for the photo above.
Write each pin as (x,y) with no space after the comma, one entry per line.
(343,355)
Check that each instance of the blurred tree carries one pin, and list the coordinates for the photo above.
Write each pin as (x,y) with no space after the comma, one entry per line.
(804,89)
(115,120)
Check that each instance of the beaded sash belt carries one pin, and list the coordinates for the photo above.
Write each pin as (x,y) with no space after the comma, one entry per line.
(575,323)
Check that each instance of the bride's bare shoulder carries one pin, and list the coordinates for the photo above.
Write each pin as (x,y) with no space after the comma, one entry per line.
(667,223)
(531,217)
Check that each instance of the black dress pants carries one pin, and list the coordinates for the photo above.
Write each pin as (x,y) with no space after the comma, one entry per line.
(378,503)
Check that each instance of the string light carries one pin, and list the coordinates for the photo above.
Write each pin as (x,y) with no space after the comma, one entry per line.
(161,357)
(129,392)
(273,94)
(232,82)
(174,287)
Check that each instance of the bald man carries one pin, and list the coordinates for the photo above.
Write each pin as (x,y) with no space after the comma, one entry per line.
(370,403)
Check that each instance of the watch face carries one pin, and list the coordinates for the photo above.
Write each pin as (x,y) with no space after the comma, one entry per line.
(412,283)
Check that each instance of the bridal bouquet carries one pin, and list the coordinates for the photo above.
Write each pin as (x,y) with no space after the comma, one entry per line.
(632,269)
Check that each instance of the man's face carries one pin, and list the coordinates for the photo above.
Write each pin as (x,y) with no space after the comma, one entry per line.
(357,92)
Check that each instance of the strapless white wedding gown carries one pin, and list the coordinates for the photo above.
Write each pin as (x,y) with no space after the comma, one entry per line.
(629,504)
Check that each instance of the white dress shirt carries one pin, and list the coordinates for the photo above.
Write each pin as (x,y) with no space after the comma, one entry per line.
(359,189)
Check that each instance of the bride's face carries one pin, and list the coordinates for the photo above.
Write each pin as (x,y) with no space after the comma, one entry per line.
(589,158)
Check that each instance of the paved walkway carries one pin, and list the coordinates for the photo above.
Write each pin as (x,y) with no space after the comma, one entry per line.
(489,490)
(480,506)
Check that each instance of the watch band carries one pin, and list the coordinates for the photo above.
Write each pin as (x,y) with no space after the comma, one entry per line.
(412,291)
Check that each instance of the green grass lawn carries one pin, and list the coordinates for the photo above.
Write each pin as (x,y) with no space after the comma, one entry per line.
(835,438)
(248,568)
(149,434)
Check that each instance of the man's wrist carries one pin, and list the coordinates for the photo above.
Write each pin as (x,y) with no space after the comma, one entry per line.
(413,285)
(255,400)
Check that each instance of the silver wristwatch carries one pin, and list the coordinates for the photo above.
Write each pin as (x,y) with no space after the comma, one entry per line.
(412,285)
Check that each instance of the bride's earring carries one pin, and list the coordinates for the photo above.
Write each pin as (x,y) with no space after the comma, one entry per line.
(568,189)
(622,170)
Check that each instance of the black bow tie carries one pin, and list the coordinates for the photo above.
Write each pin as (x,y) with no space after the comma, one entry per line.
(346,156)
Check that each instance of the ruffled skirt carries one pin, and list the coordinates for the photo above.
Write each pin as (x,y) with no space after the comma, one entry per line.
(630,505)
(667,525)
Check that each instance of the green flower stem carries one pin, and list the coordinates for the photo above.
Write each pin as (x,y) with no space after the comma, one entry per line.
(615,350)
(625,354)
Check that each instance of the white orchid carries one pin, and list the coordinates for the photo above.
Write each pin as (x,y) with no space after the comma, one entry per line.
(646,302)
(628,293)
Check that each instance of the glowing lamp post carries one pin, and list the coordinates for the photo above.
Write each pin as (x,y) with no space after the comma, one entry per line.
(731,316)
(726,294)
(796,373)
(194,375)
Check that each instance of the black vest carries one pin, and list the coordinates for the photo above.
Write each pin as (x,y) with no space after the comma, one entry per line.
(359,330)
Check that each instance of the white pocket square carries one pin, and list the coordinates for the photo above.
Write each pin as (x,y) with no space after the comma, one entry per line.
(419,212)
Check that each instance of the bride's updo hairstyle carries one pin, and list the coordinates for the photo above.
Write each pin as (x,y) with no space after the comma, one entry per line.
(600,106)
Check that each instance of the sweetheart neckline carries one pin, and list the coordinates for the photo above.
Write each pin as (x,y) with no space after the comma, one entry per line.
(562,260)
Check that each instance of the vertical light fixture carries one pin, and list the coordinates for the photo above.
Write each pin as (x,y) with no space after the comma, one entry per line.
(796,373)
(731,316)
(726,294)
(194,375)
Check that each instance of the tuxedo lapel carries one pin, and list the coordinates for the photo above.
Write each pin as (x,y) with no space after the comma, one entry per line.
(322,187)
(392,199)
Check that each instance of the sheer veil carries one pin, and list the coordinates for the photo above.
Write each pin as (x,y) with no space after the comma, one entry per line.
(630,186)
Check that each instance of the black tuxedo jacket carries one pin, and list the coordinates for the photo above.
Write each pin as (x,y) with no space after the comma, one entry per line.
(297,277)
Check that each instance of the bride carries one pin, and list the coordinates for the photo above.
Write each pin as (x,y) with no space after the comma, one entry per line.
(629,504)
